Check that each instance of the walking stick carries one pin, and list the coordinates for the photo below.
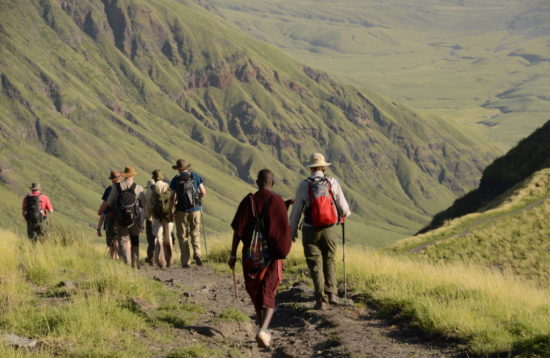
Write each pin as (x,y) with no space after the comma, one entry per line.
(234,282)
(204,234)
(344,258)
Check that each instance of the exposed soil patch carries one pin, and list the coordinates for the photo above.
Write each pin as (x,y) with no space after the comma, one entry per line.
(297,329)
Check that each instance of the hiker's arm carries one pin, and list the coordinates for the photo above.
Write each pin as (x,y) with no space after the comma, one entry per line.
(202,191)
(148,206)
(171,200)
(104,205)
(100,224)
(49,207)
(297,209)
(109,202)
(143,210)
(340,200)
(233,252)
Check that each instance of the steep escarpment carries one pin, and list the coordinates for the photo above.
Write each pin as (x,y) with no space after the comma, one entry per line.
(92,85)
(529,156)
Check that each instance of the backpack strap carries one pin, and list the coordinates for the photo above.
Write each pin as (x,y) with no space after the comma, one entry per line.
(255,213)
(253,205)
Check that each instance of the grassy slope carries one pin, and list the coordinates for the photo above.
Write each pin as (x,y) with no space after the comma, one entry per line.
(510,234)
(33,306)
(144,83)
(462,60)
(529,156)
(487,312)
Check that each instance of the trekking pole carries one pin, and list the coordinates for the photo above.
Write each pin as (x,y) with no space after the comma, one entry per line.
(344,258)
(204,234)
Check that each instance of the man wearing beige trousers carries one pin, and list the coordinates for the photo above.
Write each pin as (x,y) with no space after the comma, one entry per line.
(186,193)
(157,210)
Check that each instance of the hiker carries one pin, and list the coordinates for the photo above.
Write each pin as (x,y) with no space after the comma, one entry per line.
(107,219)
(261,223)
(36,208)
(186,192)
(126,198)
(324,205)
(156,210)
(149,232)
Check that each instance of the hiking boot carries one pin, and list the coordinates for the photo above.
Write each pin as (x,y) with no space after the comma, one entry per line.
(263,338)
(198,260)
(333,299)
(185,266)
(321,306)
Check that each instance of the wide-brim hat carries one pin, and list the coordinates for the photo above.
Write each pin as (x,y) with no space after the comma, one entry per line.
(317,160)
(181,164)
(115,174)
(35,187)
(157,175)
(129,171)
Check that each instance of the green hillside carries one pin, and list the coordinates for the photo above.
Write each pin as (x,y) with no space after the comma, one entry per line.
(484,63)
(87,86)
(507,226)
(529,156)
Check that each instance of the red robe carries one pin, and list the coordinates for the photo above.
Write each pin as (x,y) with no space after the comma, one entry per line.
(262,286)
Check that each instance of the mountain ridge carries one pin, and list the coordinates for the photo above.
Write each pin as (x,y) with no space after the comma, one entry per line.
(503,224)
(530,155)
(144,82)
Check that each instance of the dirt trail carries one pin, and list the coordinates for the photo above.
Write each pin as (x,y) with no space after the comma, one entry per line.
(297,329)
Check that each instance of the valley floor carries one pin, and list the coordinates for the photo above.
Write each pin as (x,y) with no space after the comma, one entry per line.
(297,330)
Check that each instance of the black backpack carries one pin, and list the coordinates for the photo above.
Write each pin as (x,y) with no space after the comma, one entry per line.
(33,212)
(187,194)
(126,206)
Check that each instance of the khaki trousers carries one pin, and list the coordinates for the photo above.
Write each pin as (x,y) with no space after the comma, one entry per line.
(188,226)
(320,250)
(129,244)
(162,230)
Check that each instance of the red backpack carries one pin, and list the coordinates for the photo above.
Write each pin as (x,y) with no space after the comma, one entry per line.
(321,210)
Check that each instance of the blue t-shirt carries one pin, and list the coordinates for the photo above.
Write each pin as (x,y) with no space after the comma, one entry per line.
(197,180)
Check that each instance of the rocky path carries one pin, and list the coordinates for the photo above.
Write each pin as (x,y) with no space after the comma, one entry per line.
(297,329)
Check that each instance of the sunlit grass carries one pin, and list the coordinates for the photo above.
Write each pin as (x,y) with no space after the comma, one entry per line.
(489,312)
(94,319)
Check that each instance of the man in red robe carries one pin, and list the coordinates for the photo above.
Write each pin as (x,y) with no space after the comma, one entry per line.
(262,283)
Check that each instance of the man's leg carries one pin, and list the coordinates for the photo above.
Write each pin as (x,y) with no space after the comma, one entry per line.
(42,227)
(150,241)
(181,231)
(195,229)
(158,255)
(167,242)
(270,286)
(112,238)
(125,245)
(312,252)
(134,240)
(30,231)
(328,245)
(115,248)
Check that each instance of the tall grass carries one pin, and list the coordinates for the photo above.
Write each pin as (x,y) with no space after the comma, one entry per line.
(95,319)
(485,311)
(488,312)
